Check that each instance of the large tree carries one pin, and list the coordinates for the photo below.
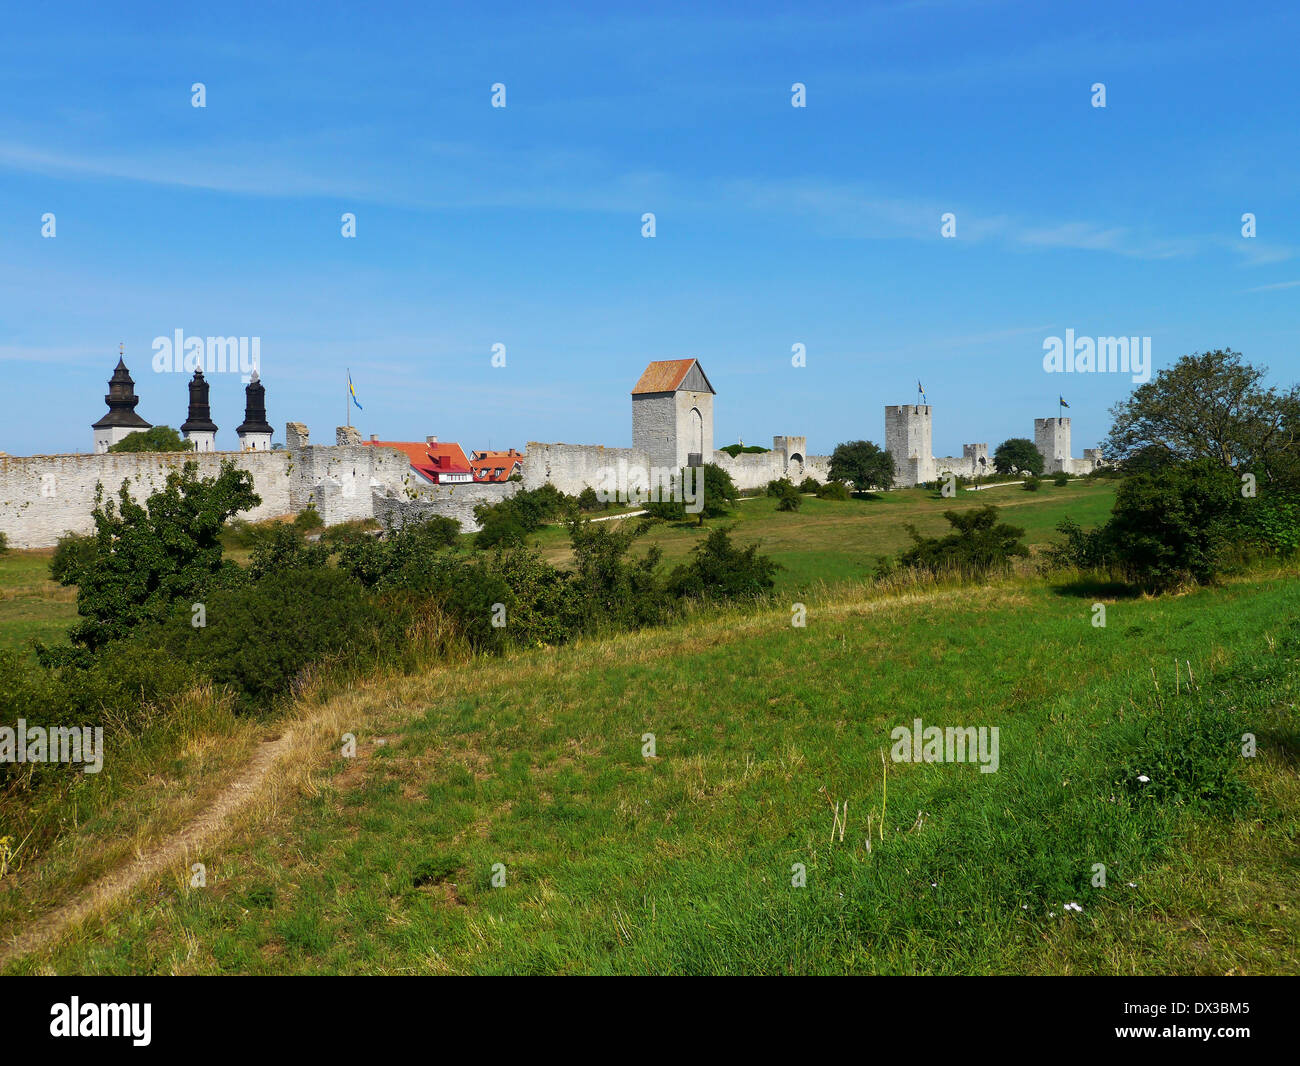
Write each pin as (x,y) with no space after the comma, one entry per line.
(1018,455)
(864,463)
(1214,406)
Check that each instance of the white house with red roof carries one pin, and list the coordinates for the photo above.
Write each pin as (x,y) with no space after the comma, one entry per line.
(491,467)
(438,463)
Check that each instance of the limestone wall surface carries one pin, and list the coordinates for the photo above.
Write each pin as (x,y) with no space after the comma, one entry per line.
(572,467)
(395,509)
(43,497)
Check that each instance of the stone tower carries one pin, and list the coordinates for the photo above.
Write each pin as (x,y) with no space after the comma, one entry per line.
(255,431)
(795,450)
(672,414)
(1052,438)
(909,438)
(121,419)
(198,425)
(978,454)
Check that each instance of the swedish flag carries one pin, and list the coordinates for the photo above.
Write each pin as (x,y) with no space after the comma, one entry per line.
(353,392)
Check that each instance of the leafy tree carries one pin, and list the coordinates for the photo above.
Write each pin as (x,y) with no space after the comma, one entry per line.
(834,490)
(788,498)
(149,555)
(1213,406)
(156,439)
(979,543)
(864,464)
(1018,455)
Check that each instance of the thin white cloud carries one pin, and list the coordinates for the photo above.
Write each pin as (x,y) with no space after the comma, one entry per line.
(1274,287)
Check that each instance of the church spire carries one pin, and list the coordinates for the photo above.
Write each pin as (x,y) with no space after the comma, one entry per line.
(198,425)
(121,418)
(255,432)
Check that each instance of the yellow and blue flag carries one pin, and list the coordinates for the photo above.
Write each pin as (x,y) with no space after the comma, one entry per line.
(353,392)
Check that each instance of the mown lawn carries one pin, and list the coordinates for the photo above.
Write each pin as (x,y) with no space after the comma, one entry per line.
(682,863)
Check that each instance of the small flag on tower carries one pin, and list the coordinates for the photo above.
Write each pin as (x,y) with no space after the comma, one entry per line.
(353,392)
(1062,399)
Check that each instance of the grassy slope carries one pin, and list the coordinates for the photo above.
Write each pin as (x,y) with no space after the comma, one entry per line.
(682,863)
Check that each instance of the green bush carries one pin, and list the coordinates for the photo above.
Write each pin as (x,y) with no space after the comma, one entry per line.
(734,450)
(542,607)
(308,519)
(148,556)
(834,490)
(978,544)
(72,554)
(609,588)
(512,519)
(809,484)
(282,547)
(1060,478)
(718,570)
(589,501)
(1273,523)
(4,542)
(260,637)
(1180,524)
(402,558)
(1032,483)
(499,529)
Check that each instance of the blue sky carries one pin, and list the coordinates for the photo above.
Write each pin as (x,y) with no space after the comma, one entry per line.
(522,226)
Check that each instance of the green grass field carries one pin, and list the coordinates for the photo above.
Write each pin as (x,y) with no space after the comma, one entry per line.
(614,862)
(31,605)
(828,541)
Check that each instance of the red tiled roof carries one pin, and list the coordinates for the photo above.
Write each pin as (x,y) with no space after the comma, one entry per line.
(486,464)
(664,375)
(430,459)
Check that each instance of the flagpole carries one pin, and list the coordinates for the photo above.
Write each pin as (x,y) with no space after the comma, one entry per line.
(347,400)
